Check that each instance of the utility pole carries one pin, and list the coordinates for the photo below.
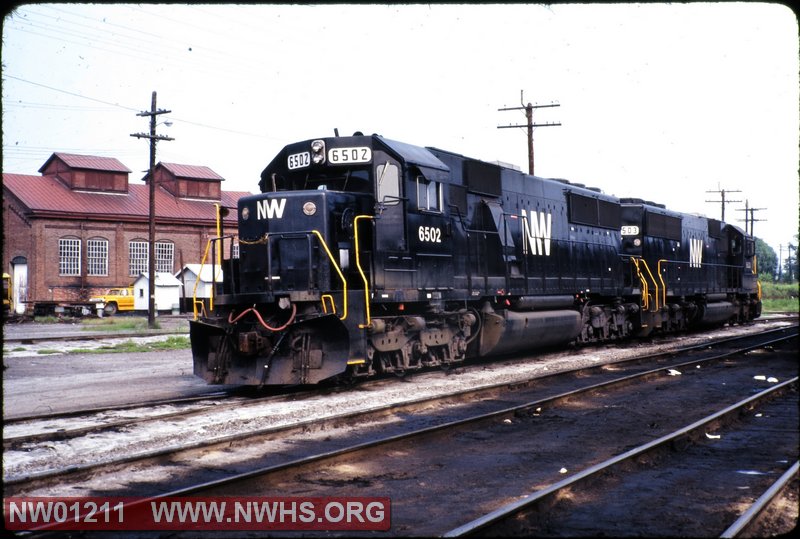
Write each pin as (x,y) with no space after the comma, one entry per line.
(722,192)
(790,260)
(153,112)
(749,218)
(530,125)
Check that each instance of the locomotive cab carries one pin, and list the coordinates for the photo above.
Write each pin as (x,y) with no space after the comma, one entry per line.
(308,247)
(742,275)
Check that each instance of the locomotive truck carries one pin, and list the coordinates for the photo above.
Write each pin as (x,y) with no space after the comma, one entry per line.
(363,255)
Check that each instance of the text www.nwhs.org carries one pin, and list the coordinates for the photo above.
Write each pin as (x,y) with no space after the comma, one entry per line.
(197,513)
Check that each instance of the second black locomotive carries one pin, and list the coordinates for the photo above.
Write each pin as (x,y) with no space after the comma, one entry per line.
(365,255)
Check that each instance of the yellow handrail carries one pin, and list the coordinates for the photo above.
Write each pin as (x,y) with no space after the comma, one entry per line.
(663,285)
(645,294)
(220,215)
(197,281)
(645,286)
(361,270)
(336,267)
(655,284)
(333,303)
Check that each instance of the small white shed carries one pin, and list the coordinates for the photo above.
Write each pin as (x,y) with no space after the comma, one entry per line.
(168,292)
(188,277)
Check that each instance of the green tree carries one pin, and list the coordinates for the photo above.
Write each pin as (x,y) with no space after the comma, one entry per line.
(790,267)
(767,258)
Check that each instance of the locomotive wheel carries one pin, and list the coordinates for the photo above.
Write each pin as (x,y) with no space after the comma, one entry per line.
(110,309)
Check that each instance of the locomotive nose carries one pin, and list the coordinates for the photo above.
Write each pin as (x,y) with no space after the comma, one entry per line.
(282,212)
(288,242)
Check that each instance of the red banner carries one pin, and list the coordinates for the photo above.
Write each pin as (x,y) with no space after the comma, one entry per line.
(197,513)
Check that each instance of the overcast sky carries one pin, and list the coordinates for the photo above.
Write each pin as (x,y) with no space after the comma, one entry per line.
(659,101)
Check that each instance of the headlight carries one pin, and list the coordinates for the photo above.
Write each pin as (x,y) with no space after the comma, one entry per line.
(318,152)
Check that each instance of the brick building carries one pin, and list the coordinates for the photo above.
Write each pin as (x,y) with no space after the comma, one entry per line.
(82,227)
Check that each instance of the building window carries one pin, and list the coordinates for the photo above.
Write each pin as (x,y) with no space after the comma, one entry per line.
(97,257)
(165,254)
(69,256)
(138,258)
(235,251)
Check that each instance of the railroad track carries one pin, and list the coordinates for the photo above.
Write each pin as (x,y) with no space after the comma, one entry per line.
(23,430)
(15,421)
(478,411)
(593,500)
(26,429)
(748,523)
(42,425)
(79,336)
(771,419)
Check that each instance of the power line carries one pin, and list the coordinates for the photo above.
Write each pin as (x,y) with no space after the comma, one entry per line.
(69,93)
(13,104)
(530,125)
(723,201)
(128,42)
(749,217)
(198,124)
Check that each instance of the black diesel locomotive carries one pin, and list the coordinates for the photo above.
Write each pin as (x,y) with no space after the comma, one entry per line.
(364,255)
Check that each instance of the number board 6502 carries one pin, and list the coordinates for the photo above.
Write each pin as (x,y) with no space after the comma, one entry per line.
(346,156)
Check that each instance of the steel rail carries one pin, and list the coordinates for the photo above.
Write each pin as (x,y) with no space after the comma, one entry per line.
(12,420)
(390,408)
(192,489)
(162,402)
(33,339)
(427,430)
(780,317)
(760,504)
(513,508)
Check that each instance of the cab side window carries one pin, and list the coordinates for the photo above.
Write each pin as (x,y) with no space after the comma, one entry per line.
(388,183)
(429,194)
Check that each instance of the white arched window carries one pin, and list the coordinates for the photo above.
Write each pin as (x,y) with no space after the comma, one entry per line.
(97,257)
(69,256)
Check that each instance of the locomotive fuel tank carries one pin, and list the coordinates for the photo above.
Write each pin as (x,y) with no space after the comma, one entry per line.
(712,314)
(508,332)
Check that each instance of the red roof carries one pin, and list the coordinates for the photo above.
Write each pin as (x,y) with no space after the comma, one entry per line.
(193,172)
(106,164)
(47,195)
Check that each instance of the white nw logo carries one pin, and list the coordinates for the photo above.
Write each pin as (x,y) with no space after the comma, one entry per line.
(271,208)
(695,253)
(537,232)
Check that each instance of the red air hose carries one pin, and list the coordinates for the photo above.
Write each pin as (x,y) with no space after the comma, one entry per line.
(232,320)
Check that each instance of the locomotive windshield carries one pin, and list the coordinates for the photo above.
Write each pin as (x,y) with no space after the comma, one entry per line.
(354,180)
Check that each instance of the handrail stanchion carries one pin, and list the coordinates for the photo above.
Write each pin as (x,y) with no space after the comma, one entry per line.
(361,270)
